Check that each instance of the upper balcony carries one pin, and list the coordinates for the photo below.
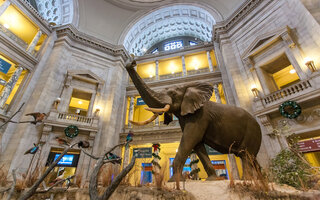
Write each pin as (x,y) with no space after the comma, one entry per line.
(59,119)
(303,90)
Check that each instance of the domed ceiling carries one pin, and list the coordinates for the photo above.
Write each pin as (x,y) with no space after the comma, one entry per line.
(168,22)
(56,11)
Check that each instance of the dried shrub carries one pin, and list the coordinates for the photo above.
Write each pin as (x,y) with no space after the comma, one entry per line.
(255,184)
(105,175)
(3,176)
(78,179)
(159,177)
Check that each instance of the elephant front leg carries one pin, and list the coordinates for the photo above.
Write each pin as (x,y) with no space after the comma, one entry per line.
(192,135)
(206,162)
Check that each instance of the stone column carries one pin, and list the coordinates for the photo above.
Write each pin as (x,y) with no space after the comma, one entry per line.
(131,106)
(90,109)
(34,42)
(157,70)
(209,61)
(233,167)
(126,157)
(262,80)
(184,70)
(9,86)
(216,93)
(227,82)
(4,6)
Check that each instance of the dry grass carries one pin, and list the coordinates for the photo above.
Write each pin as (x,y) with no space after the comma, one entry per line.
(255,183)
(27,180)
(3,176)
(105,175)
(159,177)
(78,179)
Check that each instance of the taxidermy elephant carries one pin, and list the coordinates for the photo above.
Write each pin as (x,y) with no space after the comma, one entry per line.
(225,128)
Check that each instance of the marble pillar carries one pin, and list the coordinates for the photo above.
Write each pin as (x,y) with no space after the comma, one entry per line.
(157,70)
(184,70)
(34,42)
(216,93)
(10,85)
(209,61)
(131,107)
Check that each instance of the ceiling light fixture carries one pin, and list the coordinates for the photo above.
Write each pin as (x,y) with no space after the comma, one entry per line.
(292,71)
(80,102)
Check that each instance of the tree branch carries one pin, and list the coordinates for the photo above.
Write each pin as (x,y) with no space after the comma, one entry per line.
(9,120)
(90,155)
(57,183)
(115,183)
(27,194)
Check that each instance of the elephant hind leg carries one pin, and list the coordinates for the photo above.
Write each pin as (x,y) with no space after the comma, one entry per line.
(205,160)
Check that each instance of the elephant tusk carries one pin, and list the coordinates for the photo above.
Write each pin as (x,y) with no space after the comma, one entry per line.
(159,110)
(145,122)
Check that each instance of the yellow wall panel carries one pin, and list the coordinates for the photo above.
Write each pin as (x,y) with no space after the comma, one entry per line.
(170,65)
(284,77)
(146,70)
(18,24)
(196,61)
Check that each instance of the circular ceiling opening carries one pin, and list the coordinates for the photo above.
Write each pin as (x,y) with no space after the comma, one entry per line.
(169,22)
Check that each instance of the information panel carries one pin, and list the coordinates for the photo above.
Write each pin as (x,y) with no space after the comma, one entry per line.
(4,66)
(142,152)
(309,145)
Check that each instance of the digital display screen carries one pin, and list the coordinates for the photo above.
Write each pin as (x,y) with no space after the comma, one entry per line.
(65,160)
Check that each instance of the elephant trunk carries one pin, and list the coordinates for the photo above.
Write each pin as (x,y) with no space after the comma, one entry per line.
(150,97)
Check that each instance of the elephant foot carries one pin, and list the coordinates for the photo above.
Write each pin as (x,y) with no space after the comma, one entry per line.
(173,178)
(212,178)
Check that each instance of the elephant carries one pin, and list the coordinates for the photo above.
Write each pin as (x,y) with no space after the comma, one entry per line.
(225,128)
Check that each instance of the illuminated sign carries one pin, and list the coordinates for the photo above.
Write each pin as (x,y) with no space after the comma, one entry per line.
(65,160)
(4,66)
(173,45)
(140,102)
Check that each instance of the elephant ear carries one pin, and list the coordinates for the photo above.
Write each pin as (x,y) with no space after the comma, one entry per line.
(195,96)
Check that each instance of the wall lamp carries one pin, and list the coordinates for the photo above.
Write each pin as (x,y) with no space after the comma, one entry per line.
(97,111)
(56,102)
(310,64)
(255,91)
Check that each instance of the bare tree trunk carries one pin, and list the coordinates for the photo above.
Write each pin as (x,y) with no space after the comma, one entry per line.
(27,194)
(93,192)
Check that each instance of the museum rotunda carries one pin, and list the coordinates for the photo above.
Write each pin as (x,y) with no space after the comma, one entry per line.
(66,59)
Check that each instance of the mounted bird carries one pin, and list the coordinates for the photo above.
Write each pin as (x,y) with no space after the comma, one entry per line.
(34,149)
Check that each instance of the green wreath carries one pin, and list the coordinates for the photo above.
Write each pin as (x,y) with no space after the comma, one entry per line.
(71,131)
(290,104)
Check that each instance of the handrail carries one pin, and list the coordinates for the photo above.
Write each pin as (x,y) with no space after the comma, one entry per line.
(288,91)
(75,118)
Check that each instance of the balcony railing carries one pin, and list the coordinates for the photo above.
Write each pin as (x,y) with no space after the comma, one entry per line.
(174,123)
(75,118)
(68,119)
(199,71)
(169,76)
(289,91)
(11,35)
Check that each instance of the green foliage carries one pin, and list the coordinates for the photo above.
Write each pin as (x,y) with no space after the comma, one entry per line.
(289,168)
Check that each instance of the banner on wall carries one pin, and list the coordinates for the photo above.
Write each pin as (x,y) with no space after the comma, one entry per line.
(140,102)
(4,66)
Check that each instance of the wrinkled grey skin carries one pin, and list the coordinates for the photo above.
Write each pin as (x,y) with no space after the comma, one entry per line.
(203,122)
